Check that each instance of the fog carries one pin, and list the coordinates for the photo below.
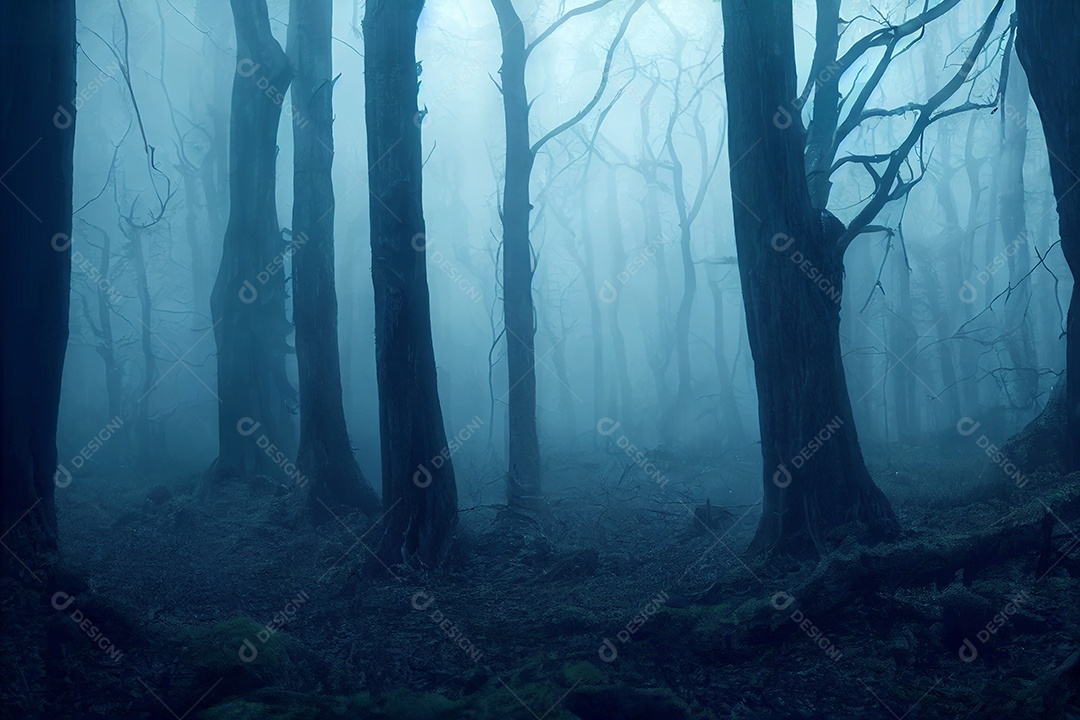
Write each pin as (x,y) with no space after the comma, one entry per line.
(893,326)
(850,282)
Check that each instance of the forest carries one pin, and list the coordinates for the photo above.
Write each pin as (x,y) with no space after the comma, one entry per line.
(550,359)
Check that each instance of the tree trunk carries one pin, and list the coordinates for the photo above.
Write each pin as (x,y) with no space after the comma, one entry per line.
(419,492)
(1045,42)
(255,431)
(618,343)
(659,356)
(730,418)
(814,478)
(523,491)
(959,253)
(677,415)
(567,401)
(145,450)
(37,40)
(114,373)
(1019,335)
(589,272)
(946,413)
(216,72)
(325,457)
(901,353)
(200,275)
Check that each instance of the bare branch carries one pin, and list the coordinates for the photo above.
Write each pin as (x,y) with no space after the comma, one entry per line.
(603,80)
(559,23)
(884,192)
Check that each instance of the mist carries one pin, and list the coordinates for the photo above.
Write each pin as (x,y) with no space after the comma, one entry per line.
(522,358)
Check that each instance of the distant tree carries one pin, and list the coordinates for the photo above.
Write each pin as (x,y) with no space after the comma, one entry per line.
(210,98)
(523,479)
(248,301)
(1046,43)
(37,90)
(791,249)
(418,489)
(325,456)
(687,104)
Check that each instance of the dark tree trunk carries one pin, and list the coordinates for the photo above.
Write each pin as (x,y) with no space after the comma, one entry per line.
(217,70)
(1019,337)
(248,301)
(523,491)
(37,40)
(1046,44)
(325,457)
(815,479)
(419,492)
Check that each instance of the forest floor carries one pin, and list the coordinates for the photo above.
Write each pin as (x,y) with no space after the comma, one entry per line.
(628,604)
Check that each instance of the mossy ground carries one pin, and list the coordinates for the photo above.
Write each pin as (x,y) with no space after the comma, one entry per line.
(591,620)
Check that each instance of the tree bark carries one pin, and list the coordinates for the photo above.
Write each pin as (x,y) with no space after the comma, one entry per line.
(815,479)
(37,40)
(213,79)
(248,300)
(1019,337)
(1045,42)
(523,490)
(419,492)
(325,457)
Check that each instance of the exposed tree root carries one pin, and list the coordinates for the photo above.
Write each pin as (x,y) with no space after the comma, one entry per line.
(853,572)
